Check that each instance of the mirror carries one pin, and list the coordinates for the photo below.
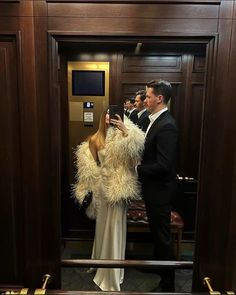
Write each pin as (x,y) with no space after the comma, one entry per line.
(184,66)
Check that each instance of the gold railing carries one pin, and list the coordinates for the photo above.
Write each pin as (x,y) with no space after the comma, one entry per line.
(39,291)
(207,282)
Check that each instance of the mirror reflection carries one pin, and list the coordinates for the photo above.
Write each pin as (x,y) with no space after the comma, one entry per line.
(122,82)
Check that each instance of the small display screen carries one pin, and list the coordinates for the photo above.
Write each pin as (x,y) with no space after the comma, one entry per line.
(88,83)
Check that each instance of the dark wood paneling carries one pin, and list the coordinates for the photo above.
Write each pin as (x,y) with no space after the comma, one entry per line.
(7,1)
(29,150)
(215,2)
(194,131)
(40,8)
(115,26)
(199,64)
(23,8)
(10,158)
(149,64)
(50,252)
(231,253)
(9,25)
(216,171)
(137,78)
(132,11)
(129,90)
(226,9)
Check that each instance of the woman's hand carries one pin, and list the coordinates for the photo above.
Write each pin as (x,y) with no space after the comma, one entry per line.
(120,125)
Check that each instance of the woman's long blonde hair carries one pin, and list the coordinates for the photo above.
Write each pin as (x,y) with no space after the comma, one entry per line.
(99,137)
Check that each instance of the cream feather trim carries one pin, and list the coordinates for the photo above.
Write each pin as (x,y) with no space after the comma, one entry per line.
(87,177)
(122,155)
(115,180)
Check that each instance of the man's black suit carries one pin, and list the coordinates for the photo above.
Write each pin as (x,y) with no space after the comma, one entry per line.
(126,112)
(133,116)
(143,121)
(157,175)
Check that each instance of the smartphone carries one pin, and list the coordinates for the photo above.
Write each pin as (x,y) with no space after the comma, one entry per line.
(116,109)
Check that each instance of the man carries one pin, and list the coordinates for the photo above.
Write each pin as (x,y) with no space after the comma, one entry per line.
(132,112)
(157,174)
(126,111)
(143,120)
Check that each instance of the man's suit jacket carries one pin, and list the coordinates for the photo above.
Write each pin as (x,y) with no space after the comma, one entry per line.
(126,112)
(157,170)
(133,116)
(143,121)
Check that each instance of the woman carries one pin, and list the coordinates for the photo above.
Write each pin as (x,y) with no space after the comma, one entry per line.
(105,166)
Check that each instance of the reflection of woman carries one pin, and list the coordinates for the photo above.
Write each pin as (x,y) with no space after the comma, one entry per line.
(106,167)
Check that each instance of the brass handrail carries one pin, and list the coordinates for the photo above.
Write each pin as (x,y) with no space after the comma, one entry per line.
(46,280)
(207,282)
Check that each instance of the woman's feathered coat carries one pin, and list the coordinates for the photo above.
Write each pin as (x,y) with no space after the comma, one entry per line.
(116,173)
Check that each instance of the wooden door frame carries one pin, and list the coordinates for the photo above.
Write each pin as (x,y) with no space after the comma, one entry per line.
(56,38)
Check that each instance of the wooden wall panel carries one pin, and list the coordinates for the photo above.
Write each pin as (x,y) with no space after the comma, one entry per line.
(216,170)
(34,213)
(199,64)
(9,1)
(81,10)
(23,8)
(194,131)
(149,64)
(40,9)
(9,24)
(173,77)
(10,158)
(129,90)
(29,152)
(49,239)
(234,10)
(226,9)
(231,253)
(116,26)
(196,2)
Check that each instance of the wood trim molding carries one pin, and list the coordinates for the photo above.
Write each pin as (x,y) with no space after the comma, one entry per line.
(13,268)
(206,2)
(119,37)
(55,38)
(211,58)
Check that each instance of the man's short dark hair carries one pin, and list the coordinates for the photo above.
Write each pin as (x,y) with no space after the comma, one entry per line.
(142,94)
(161,87)
(131,100)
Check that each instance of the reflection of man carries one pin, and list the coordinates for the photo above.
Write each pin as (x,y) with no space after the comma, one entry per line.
(157,173)
(143,120)
(126,111)
(131,111)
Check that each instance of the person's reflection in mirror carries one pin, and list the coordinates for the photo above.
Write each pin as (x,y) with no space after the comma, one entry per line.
(105,166)
(158,176)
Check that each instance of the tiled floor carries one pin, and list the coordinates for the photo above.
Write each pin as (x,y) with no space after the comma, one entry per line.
(135,280)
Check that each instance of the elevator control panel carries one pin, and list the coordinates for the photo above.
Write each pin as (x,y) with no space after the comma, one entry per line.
(88,113)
